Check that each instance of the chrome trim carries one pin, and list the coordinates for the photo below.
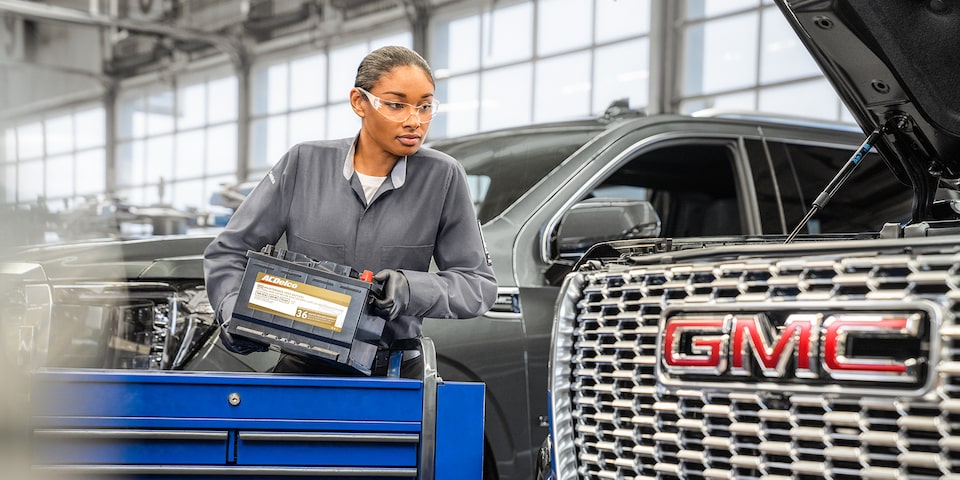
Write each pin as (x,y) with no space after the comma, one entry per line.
(514,294)
(428,430)
(561,408)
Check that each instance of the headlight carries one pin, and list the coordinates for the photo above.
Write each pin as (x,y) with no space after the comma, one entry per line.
(122,325)
(24,307)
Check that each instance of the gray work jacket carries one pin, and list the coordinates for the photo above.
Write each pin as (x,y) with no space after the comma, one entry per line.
(422,211)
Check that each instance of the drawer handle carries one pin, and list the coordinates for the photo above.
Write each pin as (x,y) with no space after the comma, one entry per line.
(330,437)
(108,433)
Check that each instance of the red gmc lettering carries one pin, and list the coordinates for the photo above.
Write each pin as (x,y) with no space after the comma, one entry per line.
(805,346)
(753,333)
(840,329)
(706,348)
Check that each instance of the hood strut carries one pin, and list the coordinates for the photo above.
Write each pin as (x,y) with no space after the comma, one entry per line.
(838,180)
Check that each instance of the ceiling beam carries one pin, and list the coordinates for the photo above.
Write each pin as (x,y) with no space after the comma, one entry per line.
(233,48)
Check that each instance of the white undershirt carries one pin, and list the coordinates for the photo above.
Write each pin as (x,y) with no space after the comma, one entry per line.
(370,184)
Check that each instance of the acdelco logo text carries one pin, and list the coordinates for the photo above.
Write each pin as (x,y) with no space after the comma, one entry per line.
(845,346)
(283,282)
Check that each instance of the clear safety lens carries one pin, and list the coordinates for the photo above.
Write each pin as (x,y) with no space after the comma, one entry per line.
(399,111)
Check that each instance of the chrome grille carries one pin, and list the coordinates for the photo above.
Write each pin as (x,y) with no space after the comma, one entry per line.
(627,426)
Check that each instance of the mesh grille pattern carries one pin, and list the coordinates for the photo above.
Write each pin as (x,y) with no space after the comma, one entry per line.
(629,427)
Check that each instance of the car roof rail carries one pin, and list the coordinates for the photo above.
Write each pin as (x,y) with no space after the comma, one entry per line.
(776,118)
(620,108)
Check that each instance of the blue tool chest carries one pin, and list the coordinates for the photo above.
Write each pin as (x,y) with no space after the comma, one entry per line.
(111,423)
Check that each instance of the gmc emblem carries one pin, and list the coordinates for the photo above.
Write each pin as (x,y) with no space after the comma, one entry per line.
(792,346)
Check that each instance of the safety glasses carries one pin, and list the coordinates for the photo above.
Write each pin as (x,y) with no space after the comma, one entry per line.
(399,111)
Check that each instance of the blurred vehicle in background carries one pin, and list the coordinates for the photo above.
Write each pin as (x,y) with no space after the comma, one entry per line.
(95,217)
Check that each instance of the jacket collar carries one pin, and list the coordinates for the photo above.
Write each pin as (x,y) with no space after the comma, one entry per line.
(397,176)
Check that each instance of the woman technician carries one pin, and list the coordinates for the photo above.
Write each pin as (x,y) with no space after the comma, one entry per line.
(376,202)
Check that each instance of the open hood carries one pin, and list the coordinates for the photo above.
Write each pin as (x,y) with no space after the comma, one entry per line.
(896,65)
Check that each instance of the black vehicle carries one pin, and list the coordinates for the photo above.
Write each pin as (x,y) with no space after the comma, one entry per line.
(543,194)
(788,356)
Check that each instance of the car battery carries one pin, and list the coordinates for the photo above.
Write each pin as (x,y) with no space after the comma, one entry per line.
(318,309)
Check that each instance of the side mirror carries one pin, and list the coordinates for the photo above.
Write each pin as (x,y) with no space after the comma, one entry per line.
(602,219)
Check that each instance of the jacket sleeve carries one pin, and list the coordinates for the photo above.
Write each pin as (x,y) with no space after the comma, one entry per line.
(464,285)
(260,220)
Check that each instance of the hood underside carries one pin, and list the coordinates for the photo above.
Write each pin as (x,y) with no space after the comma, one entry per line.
(895,65)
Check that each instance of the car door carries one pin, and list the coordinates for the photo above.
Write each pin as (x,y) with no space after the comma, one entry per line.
(687,176)
(503,167)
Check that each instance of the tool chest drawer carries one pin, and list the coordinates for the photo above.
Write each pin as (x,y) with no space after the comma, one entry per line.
(186,425)
(139,421)
(329,449)
(128,446)
(188,398)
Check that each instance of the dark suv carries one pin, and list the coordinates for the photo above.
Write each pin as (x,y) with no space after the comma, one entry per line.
(543,193)
(810,356)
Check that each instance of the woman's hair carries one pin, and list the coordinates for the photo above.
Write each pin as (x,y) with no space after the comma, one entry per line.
(380,61)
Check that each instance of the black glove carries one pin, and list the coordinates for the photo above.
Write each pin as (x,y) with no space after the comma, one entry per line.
(235,343)
(394,294)
(238,344)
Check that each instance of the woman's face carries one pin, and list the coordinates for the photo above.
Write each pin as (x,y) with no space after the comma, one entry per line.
(404,84)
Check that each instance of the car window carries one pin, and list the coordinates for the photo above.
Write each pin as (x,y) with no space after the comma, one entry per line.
(692,187)
(871,196)
(501,169)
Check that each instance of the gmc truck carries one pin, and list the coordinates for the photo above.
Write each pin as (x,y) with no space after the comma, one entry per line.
(795,356)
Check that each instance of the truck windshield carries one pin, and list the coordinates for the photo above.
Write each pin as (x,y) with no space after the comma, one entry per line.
(500,169)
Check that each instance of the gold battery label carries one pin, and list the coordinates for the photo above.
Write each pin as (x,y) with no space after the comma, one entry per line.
(299,301)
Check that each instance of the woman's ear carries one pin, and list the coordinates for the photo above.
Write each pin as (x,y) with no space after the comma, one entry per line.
(356,102)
